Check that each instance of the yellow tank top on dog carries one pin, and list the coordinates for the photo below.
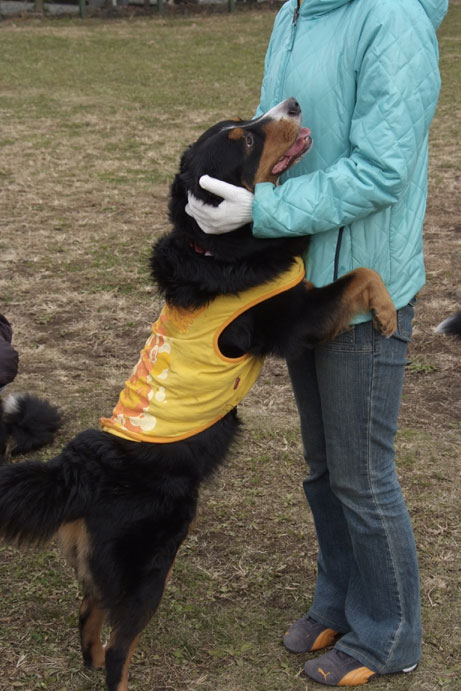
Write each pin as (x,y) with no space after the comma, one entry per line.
(182,383)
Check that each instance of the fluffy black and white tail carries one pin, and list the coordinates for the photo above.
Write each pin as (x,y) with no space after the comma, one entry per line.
(37,498)
(452,325)
(29,422)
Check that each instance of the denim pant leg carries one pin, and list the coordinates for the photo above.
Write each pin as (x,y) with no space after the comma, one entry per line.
(334,561)
(368,582)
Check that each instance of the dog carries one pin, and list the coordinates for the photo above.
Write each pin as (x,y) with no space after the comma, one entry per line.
(122,498)
(26,424)
(451,325)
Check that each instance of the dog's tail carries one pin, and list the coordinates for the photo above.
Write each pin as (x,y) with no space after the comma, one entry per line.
(30,422)
(37,498)
(452,325)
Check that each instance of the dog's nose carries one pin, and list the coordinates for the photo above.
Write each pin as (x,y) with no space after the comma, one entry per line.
(293,107)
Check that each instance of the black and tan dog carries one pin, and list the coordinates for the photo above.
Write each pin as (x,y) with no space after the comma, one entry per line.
(122,498)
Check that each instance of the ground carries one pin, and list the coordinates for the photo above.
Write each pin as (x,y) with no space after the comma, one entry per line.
(94,117)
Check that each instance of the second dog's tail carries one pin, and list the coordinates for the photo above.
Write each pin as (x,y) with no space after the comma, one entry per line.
(37,498)
(451,325)
(30,422)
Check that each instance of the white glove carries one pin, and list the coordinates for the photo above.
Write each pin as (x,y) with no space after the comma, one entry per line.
(234,211)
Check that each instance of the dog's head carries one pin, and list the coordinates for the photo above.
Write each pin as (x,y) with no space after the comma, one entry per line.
(246,152)
(190,267)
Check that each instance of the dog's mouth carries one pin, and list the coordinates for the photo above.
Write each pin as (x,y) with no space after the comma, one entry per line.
(301,145)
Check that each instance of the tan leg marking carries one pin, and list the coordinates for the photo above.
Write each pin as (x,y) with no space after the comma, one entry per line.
(370,293)
(123,683)
(90,633)
(75,545)
(366,292)
(168,576)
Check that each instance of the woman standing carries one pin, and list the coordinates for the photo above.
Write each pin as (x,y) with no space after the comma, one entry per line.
(365,73)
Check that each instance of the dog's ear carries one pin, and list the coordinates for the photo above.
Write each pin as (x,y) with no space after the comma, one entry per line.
(207,156)
(187,180)
(184,180)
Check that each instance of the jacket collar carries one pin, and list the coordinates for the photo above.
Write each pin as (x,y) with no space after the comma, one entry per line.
(315,8)
(435,10)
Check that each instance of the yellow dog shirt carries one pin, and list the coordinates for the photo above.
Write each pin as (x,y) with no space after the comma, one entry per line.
(182,383)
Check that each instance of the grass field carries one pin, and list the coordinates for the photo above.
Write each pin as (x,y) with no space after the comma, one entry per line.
(93,118)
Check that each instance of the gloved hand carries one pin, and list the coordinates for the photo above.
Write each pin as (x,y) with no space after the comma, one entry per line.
(233,212)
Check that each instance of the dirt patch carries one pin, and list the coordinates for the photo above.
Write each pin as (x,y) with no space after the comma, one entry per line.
(94,119)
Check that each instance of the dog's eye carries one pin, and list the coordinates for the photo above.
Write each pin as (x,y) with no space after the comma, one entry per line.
(249,140)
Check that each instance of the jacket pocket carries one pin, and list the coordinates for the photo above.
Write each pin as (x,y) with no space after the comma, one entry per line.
(404,322)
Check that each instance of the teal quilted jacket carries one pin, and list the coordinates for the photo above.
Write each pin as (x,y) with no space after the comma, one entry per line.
(365,73)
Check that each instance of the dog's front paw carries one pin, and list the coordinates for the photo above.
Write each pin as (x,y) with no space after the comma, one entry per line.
(380,303)
(385,319)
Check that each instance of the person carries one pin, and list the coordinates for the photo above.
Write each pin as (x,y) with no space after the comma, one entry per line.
(9,360)
(9,357)
(366,76)
(26,422)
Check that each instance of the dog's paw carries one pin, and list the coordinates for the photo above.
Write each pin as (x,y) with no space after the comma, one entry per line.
(379,302)
(385,318)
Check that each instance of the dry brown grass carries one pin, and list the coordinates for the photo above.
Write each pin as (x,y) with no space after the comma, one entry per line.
(93,119)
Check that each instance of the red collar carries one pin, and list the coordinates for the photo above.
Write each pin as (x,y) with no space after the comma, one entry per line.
(200,250)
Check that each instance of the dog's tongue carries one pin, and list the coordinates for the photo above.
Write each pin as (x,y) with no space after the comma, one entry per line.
(295,150)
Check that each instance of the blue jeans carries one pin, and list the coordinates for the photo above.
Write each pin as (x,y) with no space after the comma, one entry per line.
(348,394)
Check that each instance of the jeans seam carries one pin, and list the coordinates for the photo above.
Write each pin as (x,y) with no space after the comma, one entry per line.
(351,349)
(379,512)
(361,656)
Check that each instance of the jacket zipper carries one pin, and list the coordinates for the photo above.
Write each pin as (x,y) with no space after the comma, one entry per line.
(337,252)
(296,12)
(293,23)
(282,81)
(288,51)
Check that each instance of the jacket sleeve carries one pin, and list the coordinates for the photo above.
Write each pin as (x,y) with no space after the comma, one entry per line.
(398,84)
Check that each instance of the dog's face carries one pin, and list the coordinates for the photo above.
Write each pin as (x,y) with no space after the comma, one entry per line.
(245,153)
(191,267)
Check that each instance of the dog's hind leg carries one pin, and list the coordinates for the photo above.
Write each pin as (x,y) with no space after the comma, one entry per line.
(129,619)
(75,543)
(91,620)
(122,644)
(118,657)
